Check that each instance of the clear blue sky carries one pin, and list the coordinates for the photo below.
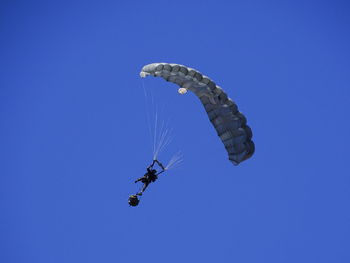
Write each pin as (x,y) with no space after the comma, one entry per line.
(73,132)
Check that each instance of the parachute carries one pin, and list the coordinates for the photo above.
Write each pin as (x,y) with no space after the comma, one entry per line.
(230,124)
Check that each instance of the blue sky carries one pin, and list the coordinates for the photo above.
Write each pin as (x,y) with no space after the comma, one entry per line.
(74,137)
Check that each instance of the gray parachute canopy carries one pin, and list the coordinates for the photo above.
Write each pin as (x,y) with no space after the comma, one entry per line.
(230,124)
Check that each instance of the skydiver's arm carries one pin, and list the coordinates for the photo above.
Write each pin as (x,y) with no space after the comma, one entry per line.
(160,172)
(160,165)
(151,166)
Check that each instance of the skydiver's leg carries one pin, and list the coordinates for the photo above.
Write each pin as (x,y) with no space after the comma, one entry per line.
(145,185)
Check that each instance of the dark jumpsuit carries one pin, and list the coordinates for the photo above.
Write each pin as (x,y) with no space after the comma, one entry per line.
(150,176)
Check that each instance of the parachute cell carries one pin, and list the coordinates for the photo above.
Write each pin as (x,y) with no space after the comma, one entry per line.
(229,123)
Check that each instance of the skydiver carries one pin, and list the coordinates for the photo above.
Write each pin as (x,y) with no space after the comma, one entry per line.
(151,176)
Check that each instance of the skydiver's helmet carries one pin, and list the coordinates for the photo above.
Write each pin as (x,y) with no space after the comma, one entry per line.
(133,200)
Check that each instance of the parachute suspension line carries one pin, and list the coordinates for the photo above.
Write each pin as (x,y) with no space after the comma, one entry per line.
(148,118)
(155,135)
(175,161)
(159,132)
(163,136)
(164,139)
(154,111)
